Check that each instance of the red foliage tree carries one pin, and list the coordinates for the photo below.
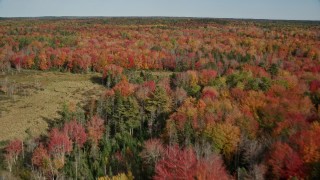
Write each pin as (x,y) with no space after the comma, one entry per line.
(13,150)
(59,142)
(206,75)
(145,90)
(209,93)
(314,86)
(179,163)
(211,168)
(41,158)
(43,61)
(59,145)
(285,162)
(308,142)
(14,147)
(76,132)
(150,85)
(292,124)
(95,130)
(176,164)
(124,87)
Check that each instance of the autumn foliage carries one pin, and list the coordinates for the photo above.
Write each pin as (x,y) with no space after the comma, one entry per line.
(13,150)
(285,162)
(95,129)
(76,132)
(183,164)
(183,99)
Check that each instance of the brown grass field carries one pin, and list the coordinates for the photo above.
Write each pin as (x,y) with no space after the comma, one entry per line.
(31,98)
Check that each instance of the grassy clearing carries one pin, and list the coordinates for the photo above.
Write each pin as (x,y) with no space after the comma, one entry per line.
(30,99)
(37,97)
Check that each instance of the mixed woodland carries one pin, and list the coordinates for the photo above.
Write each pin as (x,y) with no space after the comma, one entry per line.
(184,98)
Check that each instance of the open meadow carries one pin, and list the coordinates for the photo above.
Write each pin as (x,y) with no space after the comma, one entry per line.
(38,97)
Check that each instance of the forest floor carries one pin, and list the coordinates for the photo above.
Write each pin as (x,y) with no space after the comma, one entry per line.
(31,99)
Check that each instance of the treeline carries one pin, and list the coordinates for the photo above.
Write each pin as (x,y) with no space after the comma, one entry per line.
(87,45)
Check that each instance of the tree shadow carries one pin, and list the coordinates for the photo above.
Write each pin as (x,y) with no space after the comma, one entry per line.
(97,80)
(53,122)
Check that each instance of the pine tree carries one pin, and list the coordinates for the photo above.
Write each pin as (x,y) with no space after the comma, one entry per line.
(158,103)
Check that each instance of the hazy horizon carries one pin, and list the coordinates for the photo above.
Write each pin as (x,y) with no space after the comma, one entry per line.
(246,9)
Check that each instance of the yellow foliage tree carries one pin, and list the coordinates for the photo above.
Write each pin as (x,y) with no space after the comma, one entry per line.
(121,176)
(225,137)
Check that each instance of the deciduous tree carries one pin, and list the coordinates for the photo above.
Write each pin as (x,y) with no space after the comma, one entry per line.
(95,129)
(13,150)
(285,162)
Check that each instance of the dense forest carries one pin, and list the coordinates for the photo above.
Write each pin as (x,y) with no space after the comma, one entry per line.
(184,98)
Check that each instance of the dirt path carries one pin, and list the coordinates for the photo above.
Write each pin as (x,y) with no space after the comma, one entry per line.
(42,100)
